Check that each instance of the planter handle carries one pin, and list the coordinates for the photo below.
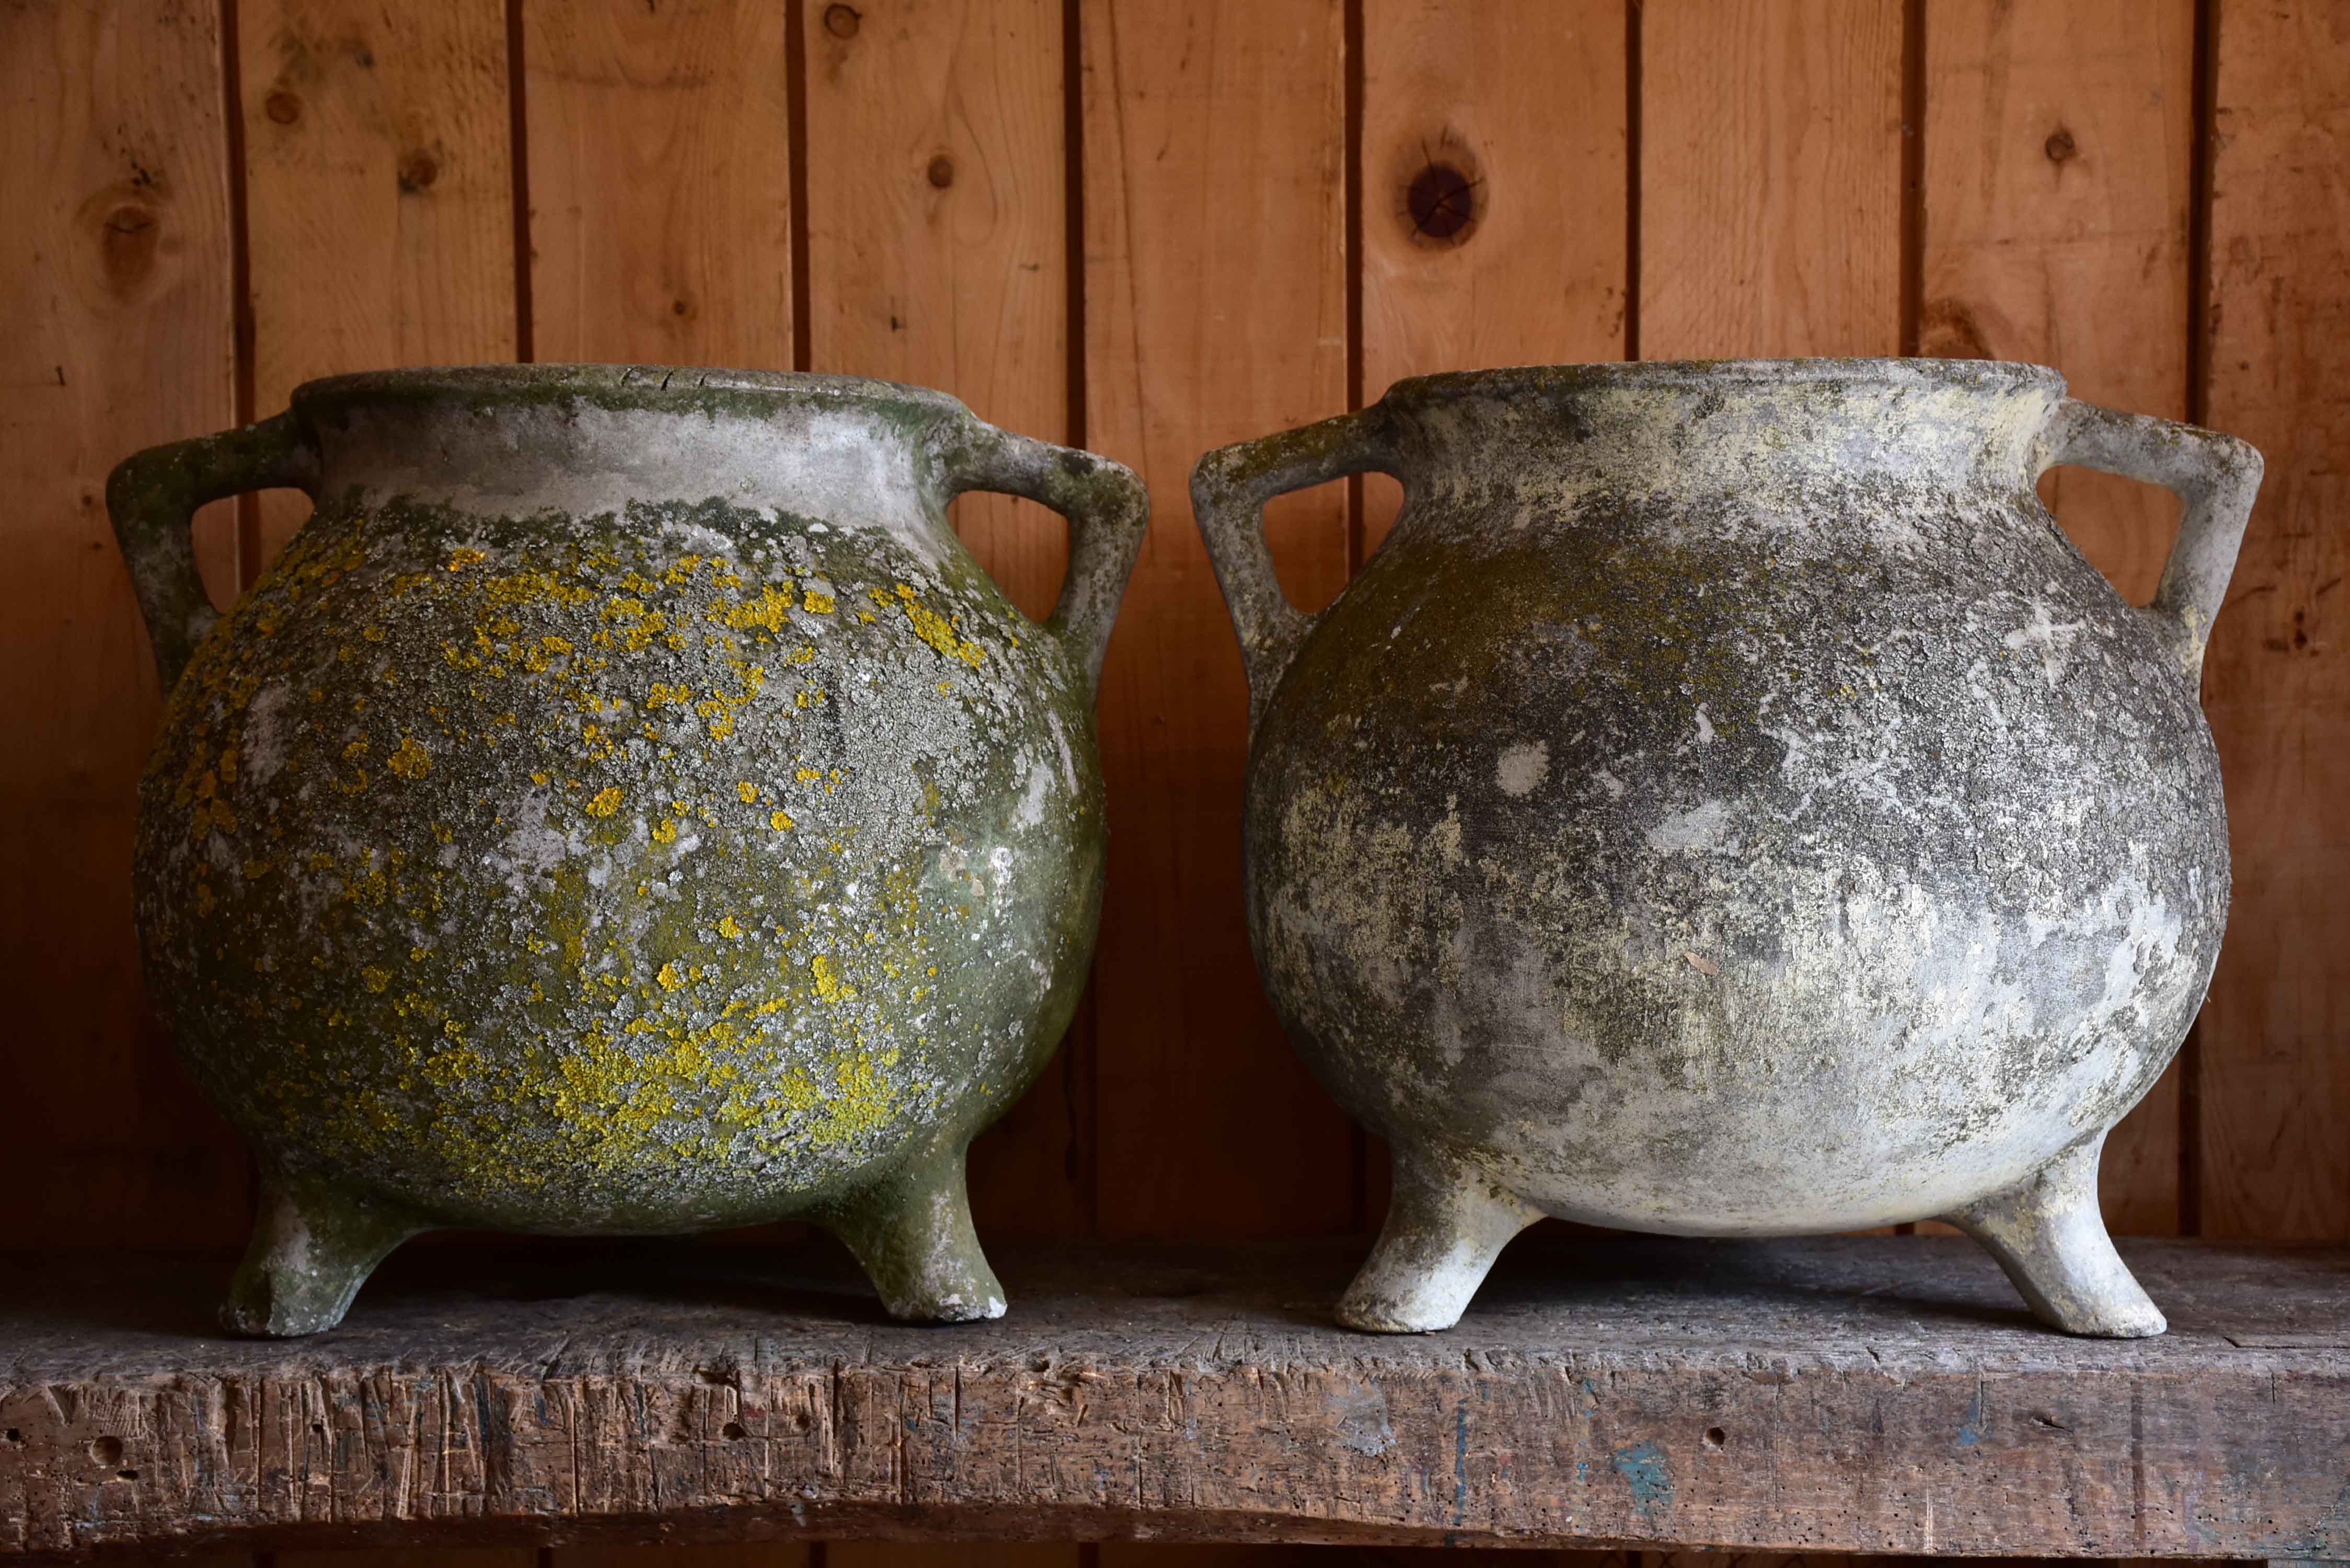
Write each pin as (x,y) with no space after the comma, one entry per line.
(1230,487)
(151,496)
(1107,510)
(2215,478)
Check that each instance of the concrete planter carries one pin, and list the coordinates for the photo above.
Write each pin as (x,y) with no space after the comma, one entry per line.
(1728,804)
(624,807)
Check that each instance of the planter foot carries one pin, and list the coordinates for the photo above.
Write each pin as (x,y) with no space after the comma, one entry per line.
(1446,1224)
(310,1251)
(2048,1232)
(913,1234)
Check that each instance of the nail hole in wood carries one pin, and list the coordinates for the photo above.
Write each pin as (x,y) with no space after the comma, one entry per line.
(2059,145)
(841,21)
(941,172)
(282,107)
(417,173)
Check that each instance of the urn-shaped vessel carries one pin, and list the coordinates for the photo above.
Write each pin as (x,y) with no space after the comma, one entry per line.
(624,807)
(1726,803)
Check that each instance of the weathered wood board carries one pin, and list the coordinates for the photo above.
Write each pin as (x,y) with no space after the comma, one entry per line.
(1851,1394)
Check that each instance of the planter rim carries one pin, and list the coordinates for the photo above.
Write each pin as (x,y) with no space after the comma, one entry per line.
(680,387)
(1707,375)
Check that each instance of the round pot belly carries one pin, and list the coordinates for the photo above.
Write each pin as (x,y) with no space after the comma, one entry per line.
(644,874)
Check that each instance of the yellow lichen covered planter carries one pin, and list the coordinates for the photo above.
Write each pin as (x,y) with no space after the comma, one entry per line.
(625,807)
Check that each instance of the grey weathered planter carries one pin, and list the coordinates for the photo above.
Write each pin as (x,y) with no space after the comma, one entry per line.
(624,807)
(1727,805)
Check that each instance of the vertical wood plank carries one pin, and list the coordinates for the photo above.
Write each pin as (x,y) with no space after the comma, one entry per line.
(115,267)
(1522,100)
(2058,169)
(1770,178)
(659,145)
(938,253)
(1215,309)
(2276,1031)
(378,193)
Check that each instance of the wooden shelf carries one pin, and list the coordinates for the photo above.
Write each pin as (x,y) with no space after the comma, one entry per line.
(1850,1394)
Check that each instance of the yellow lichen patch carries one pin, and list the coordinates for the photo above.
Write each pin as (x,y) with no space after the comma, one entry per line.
(376,979)
(767,610)
(463,556)
(729,927)
(454,1065)
(410,761)
(815,603)
(665,830)
(826,974)
(671,976)
(746,793)
(606,803)
(937,630)
(779,821)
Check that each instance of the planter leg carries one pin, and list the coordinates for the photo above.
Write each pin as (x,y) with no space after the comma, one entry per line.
(2047,1233)
(310,1253)
(913,1234)
(1446,1225)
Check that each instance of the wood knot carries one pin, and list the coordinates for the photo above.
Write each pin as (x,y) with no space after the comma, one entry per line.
(282,107)
(941,170)
(1442,203)
(128,237)
(417,173)
(2059,145)
(842,21)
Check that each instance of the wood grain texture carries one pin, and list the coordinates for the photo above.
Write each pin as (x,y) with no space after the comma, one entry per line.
(115,267)
(2276,1068)
(938,253)
(1525,99)
(2058,169)
(1770,178)
(1873,1394)
(659,177)
(1215,309)
(378,194)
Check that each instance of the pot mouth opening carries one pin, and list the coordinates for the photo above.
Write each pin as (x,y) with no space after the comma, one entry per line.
(1699,376)
(679,388)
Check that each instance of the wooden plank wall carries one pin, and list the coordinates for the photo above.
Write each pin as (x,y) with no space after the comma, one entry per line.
(1151,228)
